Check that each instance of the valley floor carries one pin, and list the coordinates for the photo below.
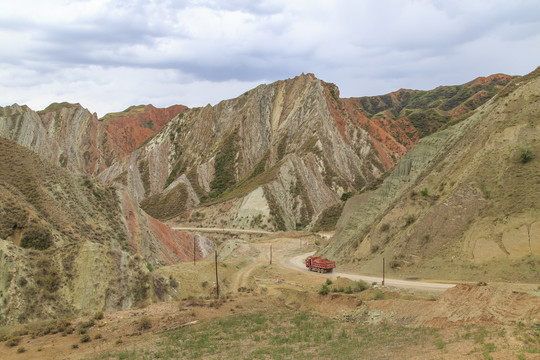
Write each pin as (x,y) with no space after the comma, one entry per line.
(274,311)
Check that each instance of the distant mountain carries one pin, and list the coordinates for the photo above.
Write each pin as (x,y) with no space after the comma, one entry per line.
(72,137)
(71,245)
(462,204)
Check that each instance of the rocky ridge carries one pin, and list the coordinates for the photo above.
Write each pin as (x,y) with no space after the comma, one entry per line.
(281,154)
(74,138)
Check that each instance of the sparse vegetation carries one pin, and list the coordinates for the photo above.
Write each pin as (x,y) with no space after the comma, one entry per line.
(165,206)
(324,289)
(13,341)
(409,220)
(39,240)
(280,335)
(224,167)
(328,219)
(526,153)
(144,323)
(85,338)
(346,196)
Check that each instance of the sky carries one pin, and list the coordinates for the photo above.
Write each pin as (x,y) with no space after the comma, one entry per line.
(110,54)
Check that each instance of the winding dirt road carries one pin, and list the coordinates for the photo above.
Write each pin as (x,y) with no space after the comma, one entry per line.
(297,263)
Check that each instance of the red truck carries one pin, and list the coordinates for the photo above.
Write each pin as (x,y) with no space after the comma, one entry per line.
(320,264)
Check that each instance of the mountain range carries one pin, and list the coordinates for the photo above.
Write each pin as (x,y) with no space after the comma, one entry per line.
(410,176)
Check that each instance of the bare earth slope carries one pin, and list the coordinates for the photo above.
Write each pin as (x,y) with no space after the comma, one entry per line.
(463,203)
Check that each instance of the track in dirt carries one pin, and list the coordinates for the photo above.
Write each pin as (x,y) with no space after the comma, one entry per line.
(297,263)
(222,230)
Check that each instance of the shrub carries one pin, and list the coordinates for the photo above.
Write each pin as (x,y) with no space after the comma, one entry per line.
(410,219)
(98,315)
(83,327)
(14,341)
(324,289)
(85,338)
(525,153)
(21,350)
(144,323)
(360,285)
(385,227)
(346,196)
(424,192)
(328,282)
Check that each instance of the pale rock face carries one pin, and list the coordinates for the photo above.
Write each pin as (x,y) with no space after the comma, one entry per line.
(254,204)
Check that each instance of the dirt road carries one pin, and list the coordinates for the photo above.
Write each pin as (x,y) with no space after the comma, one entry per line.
(297,262)
(222,230)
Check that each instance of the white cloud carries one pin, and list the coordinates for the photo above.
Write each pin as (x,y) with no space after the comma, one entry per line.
(109,54)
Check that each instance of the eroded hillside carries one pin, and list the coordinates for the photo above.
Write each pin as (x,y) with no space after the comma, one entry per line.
(463,203)
(71,245)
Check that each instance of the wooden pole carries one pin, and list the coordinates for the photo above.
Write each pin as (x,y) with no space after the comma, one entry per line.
(270,254)
(382,271)
(217,280)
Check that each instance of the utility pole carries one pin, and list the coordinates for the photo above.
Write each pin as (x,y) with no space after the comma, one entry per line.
(217,280)
(270,254)
(382,271)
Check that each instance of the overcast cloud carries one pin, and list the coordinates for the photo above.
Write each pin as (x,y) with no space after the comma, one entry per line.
(110,54)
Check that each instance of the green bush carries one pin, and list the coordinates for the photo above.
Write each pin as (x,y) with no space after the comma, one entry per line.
(324,289)
(346,196)
(328,282)
(525,153)
(360,285)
